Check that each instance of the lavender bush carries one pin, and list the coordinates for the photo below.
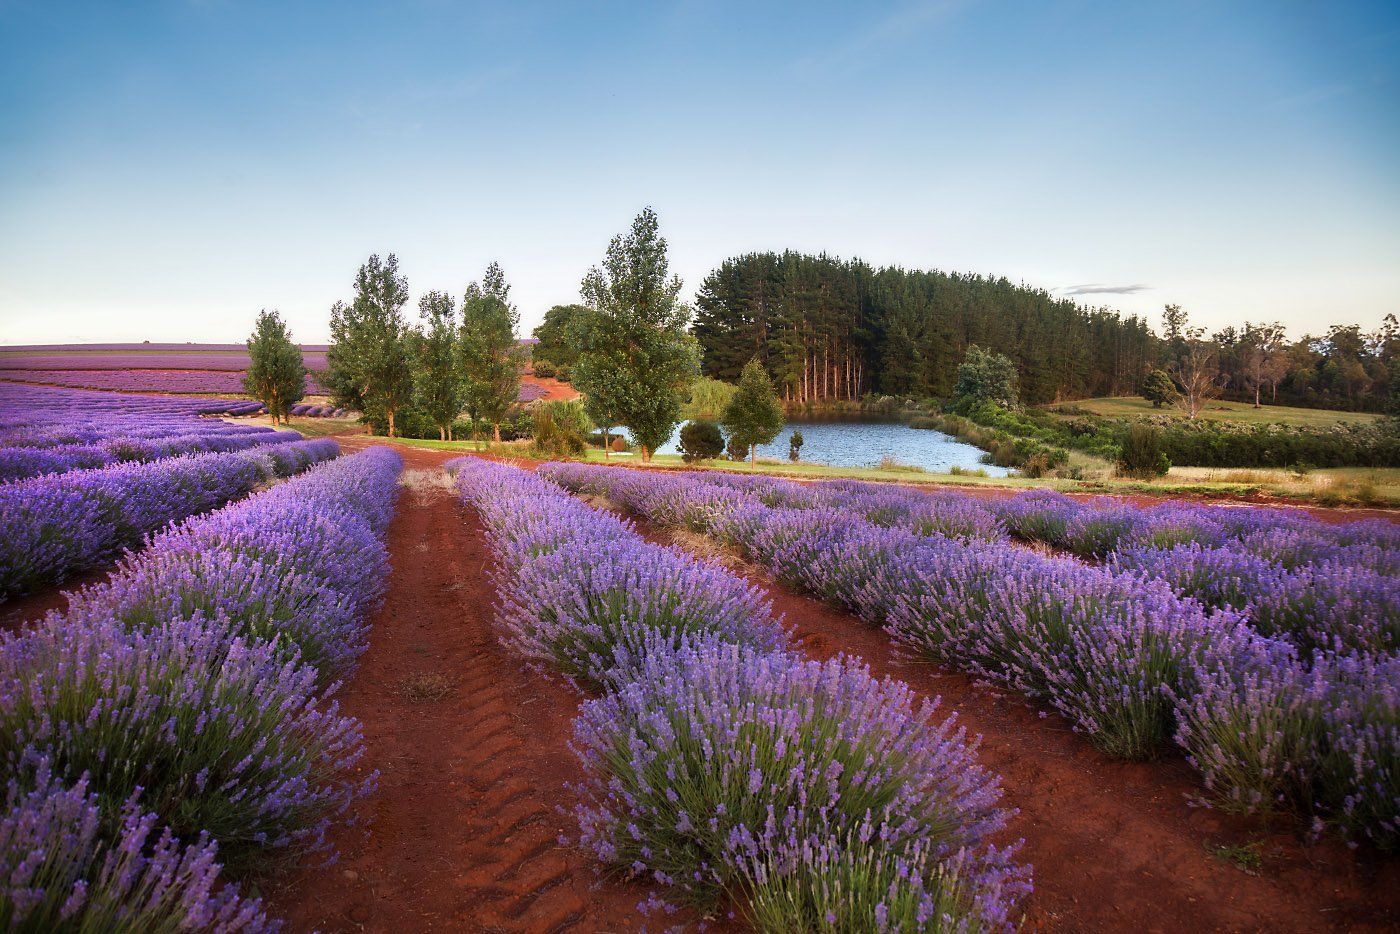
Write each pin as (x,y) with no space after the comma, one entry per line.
(579,586)
(59,869)
(728,768)
(213,734)
(300,565)
(54,526)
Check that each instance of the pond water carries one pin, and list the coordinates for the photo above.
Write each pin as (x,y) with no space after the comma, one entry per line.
(865,443)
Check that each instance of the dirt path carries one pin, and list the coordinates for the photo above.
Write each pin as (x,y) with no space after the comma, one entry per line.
(17,613)
(464,831)
(1115,845)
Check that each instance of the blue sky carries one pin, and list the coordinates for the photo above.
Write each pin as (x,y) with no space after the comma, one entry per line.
(166,169)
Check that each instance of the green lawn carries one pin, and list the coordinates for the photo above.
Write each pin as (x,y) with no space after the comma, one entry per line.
(1128,406)
(1341,486)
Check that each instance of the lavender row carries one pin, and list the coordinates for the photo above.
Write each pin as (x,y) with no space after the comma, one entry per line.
(19,463)
(170,712)
(1127,660)
(309,410)
(227,357)
(1325,588)
(143,380)
(718,761)
(22,403)
(578,585)
(54,526)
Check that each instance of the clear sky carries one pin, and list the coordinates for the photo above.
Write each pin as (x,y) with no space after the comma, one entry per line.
(166,169)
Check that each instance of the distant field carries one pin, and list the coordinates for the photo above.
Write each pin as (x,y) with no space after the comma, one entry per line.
(1128,406)
(174,369)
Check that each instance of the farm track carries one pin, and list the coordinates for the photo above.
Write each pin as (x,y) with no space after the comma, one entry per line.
(21,612)
(1115,845)
(464,830)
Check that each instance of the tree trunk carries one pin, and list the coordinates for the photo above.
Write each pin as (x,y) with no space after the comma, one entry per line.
(646,454)
(496,432)
(607,444)
(753,456)
(442,433)
(1256,394)
(391,423)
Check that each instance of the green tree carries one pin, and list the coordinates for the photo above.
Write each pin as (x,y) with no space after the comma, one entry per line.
(1158,388)
(554,344)
(795,443)
(754,416)
(491,356)
(437,374)
(368,365)
(635,357)
(708,397)
(276,374)
(700,440)
(984,376)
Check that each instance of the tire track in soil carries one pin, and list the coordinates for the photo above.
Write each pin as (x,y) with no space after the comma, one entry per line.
(1115,845)
(464,831)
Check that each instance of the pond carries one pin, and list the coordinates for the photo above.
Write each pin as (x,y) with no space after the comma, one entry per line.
(866,443)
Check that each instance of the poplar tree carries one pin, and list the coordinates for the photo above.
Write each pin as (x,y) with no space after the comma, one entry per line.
(754,416)
(490,355)
(368,364)
(276,374)
(636,358)
(437,376)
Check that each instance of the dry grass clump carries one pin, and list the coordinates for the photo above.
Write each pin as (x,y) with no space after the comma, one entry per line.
(426,687)
(710,549)
(427,481)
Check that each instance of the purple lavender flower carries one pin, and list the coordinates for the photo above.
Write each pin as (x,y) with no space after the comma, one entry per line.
(60,870)
(219,734)
(849,768)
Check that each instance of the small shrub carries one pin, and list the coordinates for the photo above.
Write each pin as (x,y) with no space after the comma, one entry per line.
(700,441)
(544,369)
(560,429)
(795,443)
(1141,454)
(725,768)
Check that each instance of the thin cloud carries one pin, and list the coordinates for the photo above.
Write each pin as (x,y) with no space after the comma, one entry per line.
(1095,288)
(1310,97)
(899,26)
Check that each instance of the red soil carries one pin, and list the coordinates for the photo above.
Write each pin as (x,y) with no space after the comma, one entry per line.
(29,609)
(553,389)
(1115,845)
(464,830)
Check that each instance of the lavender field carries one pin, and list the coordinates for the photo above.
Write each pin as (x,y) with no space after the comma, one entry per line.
(173,728)
(1261,644)
(173,731)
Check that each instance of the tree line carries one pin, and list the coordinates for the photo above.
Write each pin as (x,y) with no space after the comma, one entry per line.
(831,329)
(828,329)
(820,328)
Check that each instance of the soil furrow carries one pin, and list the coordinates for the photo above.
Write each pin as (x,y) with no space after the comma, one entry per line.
(463,832)
(1116,845)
